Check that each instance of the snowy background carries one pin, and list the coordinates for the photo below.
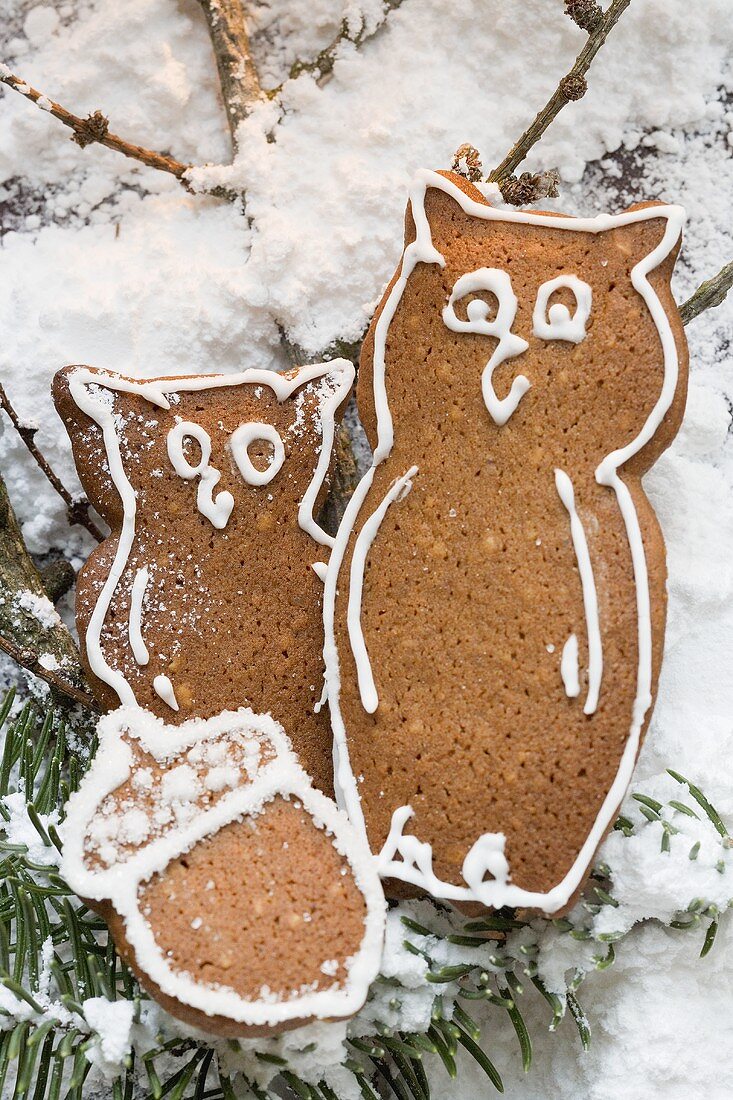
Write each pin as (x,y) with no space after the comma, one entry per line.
(112,264)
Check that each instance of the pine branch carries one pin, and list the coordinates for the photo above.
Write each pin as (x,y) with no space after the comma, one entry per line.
(238,77)
(76,510)
(708,295)
(322,65)
(571,87)
(94,129)
(31,632)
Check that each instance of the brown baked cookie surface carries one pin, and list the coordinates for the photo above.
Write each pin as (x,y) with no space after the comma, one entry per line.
(495,603)
(215,604)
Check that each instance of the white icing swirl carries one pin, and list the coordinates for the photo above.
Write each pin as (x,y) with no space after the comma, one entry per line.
(163,687)
(558,323)
(243,437)
(137,595)
(498,283)
(216,509)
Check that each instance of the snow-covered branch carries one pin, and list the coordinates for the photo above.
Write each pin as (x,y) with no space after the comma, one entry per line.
(76,510)
(31,631)
(238,77)
(709,294)
(93,129)
(322,65)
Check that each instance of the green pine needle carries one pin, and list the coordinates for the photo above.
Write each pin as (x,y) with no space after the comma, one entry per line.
(702,801)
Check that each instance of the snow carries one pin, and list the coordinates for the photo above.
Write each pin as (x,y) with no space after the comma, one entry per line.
(112,264)
(19,829)
(112,1021)
(40,607)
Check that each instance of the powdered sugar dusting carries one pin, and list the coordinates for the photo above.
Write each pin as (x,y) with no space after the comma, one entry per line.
(109,263)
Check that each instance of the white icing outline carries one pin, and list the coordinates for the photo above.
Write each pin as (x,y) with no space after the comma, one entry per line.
(367,688)
(239,442)
(118,884)
(565,491)
(421,250)
(81,382)
(499,284)
(134,626)
(217,510)
(558,324)
(319,568)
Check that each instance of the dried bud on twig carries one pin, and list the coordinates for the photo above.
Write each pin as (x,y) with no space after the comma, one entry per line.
(93,128)
(467,163)
(521,190)
(573,86)
(586,13)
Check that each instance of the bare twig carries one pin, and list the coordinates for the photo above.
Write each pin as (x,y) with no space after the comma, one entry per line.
(94,128)
(570,87)
(76,510)
(240,83)
(322,65)
(709,294)
(31,632)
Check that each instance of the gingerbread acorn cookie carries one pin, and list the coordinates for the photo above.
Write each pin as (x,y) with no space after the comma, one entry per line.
(240,895)
(495,601)
(244,899)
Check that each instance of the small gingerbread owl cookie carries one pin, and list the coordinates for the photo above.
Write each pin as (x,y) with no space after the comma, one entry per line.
(495,602)
(243,898)
(205,598)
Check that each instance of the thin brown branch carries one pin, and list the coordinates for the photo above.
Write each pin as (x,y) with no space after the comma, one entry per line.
(29,660)
(322,65)
(31,633)
(238,77)
(76,510)
(708,295)
(571,87)
(94,129)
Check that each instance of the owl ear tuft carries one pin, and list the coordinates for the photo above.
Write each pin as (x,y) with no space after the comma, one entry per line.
(87,445)
(442,208)
(642,233)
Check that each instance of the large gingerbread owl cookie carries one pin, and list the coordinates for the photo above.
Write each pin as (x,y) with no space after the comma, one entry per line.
(495,602)
(244,899)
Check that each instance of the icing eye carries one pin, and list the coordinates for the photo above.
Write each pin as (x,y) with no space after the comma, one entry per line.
(510,345)
(240,442)
(558,323)
(481,316)
(217,508)
(175,443)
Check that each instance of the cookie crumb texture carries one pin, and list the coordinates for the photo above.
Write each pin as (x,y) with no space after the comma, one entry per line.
(472,609)
(227,615)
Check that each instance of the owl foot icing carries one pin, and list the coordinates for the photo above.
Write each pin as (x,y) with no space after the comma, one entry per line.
(494,604)
(242,897)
